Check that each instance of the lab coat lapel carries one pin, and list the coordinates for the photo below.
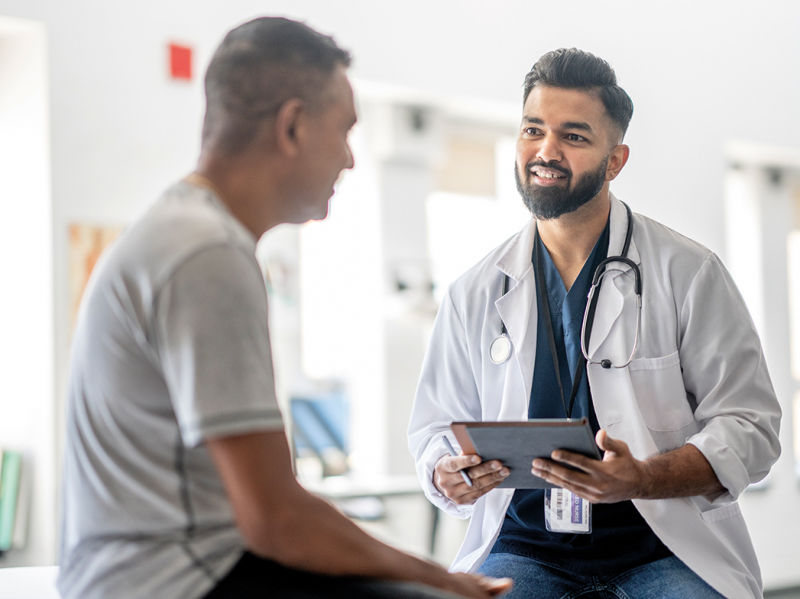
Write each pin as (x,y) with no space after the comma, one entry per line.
(611,298)
(517,308)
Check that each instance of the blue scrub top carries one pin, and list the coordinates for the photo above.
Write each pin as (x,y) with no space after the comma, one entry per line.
(620,538)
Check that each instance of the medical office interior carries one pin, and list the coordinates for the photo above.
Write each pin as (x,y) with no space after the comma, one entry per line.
(100,109)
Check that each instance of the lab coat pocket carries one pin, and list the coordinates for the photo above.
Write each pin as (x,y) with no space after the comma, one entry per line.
(728,525)
(660,393)
(724,512)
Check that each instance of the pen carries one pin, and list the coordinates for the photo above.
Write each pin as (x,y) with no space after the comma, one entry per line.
(452,452)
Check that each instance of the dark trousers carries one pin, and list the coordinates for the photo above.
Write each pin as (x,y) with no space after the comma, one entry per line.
(256,578)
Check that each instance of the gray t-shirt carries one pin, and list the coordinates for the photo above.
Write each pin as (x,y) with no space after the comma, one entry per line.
(171,348)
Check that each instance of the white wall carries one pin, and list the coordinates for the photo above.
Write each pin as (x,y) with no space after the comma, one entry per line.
(26,246)
(700,73)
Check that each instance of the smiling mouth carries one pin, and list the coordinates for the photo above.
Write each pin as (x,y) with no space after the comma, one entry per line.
(546,174)
(543,176)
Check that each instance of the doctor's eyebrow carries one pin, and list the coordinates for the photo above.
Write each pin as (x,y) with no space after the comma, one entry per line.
(579,125)
(570,125)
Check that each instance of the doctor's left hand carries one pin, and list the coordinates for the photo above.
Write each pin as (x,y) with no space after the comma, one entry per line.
(617,477)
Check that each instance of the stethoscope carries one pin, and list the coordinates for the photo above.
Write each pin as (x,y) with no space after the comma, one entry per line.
(500,347)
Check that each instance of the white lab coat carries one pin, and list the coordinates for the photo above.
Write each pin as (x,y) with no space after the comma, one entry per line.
(698,377)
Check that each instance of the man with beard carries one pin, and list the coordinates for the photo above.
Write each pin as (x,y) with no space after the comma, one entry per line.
(668,372)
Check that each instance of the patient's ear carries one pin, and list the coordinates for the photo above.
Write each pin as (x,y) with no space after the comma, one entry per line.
(287,124)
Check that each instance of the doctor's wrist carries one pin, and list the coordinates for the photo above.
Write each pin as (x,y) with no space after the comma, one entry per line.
(645,487)
(435,474)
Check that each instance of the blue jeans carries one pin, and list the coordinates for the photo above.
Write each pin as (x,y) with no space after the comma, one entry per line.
(667,578)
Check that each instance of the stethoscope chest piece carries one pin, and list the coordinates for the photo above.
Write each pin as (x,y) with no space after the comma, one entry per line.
(500,349)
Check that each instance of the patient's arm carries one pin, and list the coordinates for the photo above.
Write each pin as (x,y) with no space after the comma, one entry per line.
(281,521)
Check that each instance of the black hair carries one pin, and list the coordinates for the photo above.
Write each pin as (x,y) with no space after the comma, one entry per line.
(576,69)
(258,67)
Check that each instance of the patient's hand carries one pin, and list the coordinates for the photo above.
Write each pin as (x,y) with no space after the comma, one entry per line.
(475,585)
(485,476)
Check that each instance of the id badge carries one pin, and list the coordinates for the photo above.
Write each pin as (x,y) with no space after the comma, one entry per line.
(566,512)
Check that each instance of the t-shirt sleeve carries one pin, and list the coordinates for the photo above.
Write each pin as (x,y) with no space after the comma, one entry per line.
(213,344)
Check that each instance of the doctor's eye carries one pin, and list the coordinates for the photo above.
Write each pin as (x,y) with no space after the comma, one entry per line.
(575,137)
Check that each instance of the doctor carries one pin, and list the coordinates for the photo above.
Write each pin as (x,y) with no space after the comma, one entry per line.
(671,374)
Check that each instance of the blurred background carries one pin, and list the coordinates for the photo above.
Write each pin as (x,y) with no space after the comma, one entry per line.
(100,110)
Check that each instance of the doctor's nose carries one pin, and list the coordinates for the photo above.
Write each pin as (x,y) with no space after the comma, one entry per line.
(549,150)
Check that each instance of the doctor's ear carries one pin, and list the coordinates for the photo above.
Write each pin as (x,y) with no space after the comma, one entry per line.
(287,125)
(616,161)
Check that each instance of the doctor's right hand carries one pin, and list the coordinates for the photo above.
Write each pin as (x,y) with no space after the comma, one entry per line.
(485,476)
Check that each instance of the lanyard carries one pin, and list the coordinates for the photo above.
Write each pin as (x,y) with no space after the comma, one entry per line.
(541,284)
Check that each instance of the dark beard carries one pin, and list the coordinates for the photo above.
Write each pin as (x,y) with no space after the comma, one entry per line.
(546,203)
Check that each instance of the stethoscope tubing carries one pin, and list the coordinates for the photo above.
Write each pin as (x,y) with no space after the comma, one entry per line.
(606,363)
(501,346)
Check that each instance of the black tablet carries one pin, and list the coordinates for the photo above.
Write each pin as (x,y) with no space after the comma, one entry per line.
(517,443)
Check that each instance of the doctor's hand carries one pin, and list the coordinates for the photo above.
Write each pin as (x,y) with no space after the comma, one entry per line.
(617,477)
(485,476)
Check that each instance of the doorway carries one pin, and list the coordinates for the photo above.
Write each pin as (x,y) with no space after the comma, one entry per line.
(27,402)
(762,222)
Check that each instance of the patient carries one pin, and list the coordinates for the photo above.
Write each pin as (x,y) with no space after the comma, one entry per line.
(177,475)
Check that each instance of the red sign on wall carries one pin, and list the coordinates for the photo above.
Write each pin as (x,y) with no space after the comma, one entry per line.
(180,62)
